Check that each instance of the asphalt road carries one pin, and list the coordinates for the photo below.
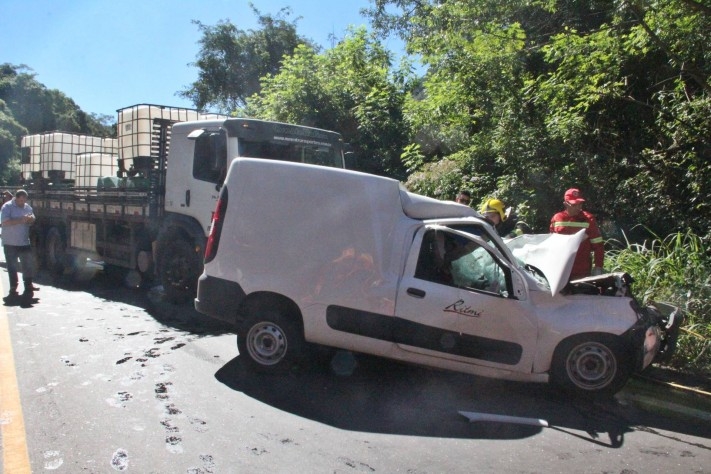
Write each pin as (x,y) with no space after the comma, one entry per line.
(115,379)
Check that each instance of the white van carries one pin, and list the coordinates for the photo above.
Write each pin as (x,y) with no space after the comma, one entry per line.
(302,254)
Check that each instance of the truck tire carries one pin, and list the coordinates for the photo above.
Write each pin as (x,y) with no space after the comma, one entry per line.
(179,270)
(270,342)
(591,364)
(55,251)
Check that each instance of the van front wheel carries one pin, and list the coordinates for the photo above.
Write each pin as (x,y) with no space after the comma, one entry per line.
(591,364)
(269,342)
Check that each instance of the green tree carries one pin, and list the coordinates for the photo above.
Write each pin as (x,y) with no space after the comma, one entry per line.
(350,89)
(28,107)
(10,129)
(232,61)
(41,110)
(532,97)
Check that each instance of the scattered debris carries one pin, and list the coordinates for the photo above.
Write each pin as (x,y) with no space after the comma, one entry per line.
(474,416)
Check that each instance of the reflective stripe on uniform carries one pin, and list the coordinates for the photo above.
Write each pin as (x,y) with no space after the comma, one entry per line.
(581,225)
(596,240)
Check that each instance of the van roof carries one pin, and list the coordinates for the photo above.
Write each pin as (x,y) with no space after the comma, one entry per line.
(417,206)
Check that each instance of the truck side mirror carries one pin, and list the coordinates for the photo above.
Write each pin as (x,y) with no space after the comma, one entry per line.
(351,160)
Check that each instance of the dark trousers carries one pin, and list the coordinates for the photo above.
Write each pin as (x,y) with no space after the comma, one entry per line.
(13,253)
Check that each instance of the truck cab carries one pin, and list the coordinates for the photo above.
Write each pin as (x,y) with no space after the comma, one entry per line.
(201,151)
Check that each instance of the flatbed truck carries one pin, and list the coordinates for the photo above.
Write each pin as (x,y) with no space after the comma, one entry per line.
(142,203)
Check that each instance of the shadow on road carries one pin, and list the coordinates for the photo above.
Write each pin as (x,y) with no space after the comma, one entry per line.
(382,396)
(110,285)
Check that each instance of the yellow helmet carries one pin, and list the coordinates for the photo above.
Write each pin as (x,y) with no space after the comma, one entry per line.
(494,205)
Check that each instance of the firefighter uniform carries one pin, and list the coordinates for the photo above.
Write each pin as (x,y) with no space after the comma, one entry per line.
(564,223)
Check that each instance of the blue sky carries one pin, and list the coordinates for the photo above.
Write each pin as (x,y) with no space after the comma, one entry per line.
(106,55)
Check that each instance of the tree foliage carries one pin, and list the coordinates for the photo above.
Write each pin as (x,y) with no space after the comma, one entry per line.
(349,88)
(232,61)
(28,107)
(530,97)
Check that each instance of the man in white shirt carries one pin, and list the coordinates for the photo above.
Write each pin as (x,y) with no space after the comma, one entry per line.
(16,217)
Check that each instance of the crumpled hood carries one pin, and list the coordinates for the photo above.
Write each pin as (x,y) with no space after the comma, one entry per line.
(552,254)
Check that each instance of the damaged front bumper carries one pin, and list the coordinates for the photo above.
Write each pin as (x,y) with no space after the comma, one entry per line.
(669,319)
(655,335)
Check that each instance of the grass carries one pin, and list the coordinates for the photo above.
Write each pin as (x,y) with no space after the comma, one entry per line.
(675,269)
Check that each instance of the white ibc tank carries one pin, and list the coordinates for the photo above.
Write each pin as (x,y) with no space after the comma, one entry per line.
(30,161)
(57,152)
(135,127)
(213,117)
(109,146)
(91,166)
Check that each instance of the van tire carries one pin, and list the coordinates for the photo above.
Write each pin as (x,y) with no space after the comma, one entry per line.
(270,342)
(591,365)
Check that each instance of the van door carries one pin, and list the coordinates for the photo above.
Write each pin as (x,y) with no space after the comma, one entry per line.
(456,301)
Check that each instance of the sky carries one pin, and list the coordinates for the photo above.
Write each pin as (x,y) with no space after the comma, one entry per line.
(106,55)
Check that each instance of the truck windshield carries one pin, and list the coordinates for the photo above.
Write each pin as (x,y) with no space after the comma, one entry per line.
(310,153)
(285,142)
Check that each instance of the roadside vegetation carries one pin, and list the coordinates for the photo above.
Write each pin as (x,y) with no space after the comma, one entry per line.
(675,269)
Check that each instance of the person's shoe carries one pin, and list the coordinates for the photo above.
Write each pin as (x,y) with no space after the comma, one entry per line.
(26,300)
(12,298)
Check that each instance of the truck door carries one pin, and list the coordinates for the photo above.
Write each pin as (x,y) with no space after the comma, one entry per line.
(456,301)
(196,169)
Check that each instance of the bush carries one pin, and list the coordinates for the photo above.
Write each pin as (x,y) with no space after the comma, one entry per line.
(676,269)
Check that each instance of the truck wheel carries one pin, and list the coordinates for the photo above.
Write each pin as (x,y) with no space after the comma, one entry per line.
(269,342)
(55,249)
(179,270)
(591,364)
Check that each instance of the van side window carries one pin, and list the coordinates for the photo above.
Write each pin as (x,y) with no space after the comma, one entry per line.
(210,156)
(430,262)
(454,260)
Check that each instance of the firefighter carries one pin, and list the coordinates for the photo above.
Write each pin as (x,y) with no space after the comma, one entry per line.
(571,220)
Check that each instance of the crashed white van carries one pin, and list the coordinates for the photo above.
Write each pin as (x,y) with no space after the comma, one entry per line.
(302,254)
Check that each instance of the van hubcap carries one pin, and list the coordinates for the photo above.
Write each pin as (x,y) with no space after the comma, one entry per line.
(591,365)
(266,343)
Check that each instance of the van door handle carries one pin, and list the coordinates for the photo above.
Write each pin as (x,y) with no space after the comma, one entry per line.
(416,293)
(187,198)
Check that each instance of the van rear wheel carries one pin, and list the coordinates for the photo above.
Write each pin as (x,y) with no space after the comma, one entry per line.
(270,342)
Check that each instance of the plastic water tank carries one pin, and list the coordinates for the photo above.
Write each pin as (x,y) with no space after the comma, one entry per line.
(135,127)
(57,152)
(30,162)
(91,166)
